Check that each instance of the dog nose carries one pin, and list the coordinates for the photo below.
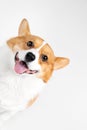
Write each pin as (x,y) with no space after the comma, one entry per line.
(29,57)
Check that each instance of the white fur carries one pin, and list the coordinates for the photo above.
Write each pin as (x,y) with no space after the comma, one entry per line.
(15,89)
(34,64)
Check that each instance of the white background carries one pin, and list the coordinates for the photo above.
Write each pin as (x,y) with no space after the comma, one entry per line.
(63,23)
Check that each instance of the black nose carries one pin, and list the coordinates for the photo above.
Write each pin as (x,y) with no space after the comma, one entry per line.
(29,57)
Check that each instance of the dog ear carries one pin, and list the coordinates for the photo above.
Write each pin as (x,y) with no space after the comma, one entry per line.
(60,62)
(24,28)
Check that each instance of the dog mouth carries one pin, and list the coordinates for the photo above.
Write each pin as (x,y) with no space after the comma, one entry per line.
(22,67)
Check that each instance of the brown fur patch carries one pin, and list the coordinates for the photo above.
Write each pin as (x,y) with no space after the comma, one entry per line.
(32,101)
(47,67)
(20,42)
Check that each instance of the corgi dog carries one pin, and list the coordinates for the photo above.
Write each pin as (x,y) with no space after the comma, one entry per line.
(26,64)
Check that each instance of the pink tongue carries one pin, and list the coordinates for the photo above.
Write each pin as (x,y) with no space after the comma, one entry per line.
(19,68)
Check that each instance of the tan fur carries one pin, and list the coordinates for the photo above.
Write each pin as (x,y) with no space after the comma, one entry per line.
(20,43)
(53,62)
(32,101)
(60,62)
(47,67)
(24,28)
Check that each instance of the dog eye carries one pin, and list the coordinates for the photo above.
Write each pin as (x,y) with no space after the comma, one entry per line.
(44,58)
(30,44)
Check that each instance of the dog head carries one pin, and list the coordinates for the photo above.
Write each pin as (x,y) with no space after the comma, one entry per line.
(32,55)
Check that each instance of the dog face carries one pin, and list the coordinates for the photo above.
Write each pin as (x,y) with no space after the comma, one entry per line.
(32,55)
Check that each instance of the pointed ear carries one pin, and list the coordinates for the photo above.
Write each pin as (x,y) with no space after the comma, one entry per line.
(60,62)
(24,28)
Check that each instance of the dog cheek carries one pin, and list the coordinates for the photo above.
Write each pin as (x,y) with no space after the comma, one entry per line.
(34,65)
(46,72)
